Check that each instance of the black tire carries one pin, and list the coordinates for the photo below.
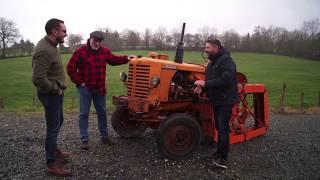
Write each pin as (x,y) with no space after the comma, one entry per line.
(179,136)
(125,127)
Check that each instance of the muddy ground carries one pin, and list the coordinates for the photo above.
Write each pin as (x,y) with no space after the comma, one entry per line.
(290,150)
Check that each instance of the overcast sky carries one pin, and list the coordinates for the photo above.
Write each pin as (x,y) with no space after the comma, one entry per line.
(82,17)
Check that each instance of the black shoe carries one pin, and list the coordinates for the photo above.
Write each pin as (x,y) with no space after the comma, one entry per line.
(107,141)
(85,145)
(221,163)
(216,155)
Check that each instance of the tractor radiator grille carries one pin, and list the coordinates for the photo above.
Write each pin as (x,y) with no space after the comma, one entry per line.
(138,81)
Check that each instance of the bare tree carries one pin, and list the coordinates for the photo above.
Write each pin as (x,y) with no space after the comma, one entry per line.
(112,39)
(245,43)
(29,46)
(231,40)
(207,32)
(261,40)
(311,28)
(176,35)
(198,43)
(74,40)
(147,38)
(294,44)
(131,39)
(8,34)
(22,47)
(169,41)
(279,37)
(13,50)
(277,33)
(189,41)
(159,38)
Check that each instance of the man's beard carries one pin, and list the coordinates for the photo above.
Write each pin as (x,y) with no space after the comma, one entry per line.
(211,56)
(95,48)
(59,40)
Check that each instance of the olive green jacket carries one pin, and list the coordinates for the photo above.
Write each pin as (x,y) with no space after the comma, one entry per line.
(47,68)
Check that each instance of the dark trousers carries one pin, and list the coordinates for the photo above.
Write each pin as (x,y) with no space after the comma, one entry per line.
(53,106)
(222,116)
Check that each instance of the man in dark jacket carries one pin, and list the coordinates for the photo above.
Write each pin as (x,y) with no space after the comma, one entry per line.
(221,87)
(87,69)
(49,78)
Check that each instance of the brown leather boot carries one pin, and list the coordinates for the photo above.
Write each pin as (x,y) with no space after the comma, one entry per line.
(62,155)
(85,145)
(55,170)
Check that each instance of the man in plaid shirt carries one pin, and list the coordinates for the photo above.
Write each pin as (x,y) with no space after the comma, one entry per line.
(87,69)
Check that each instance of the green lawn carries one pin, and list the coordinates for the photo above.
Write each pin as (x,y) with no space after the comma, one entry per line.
(300,76)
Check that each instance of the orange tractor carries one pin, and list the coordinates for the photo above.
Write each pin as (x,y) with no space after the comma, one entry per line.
(160,96)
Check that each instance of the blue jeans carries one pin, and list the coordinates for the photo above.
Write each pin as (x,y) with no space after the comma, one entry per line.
(53,106)
(99,102)
(222,115)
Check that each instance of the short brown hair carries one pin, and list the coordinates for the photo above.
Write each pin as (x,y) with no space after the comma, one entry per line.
(214,42)
(52,24)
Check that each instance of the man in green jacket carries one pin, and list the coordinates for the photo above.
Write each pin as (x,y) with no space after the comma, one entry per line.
(49,78)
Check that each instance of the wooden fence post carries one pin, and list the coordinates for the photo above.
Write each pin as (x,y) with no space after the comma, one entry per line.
(282,98)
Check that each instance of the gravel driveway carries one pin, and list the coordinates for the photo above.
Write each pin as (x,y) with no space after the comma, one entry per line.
(290,150)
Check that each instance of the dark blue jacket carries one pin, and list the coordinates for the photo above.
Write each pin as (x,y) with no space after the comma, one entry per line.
(221,80)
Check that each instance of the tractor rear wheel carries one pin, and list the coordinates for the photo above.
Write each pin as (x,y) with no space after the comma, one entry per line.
(123,124)
(178,136)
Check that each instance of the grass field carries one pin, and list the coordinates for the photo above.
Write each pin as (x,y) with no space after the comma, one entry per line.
(300,76)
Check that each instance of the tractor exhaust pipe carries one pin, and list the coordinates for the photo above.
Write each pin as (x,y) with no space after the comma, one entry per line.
(180,50)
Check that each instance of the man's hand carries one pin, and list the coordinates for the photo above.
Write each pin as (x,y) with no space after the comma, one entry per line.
(199,83)
(60,92)
(198,90)
(83,84)
(131,57)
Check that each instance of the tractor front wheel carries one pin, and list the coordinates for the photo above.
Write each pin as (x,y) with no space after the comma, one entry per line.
(123,124)
(178,136)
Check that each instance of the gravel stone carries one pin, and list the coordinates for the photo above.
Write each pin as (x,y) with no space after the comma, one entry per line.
(290,150)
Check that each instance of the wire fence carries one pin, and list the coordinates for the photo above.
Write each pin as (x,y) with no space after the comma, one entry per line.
(72,103)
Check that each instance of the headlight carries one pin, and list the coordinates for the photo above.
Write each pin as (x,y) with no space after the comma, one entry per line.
(155,80)
(123,76)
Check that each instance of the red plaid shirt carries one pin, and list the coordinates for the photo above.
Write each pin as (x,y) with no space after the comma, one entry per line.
(89,67)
